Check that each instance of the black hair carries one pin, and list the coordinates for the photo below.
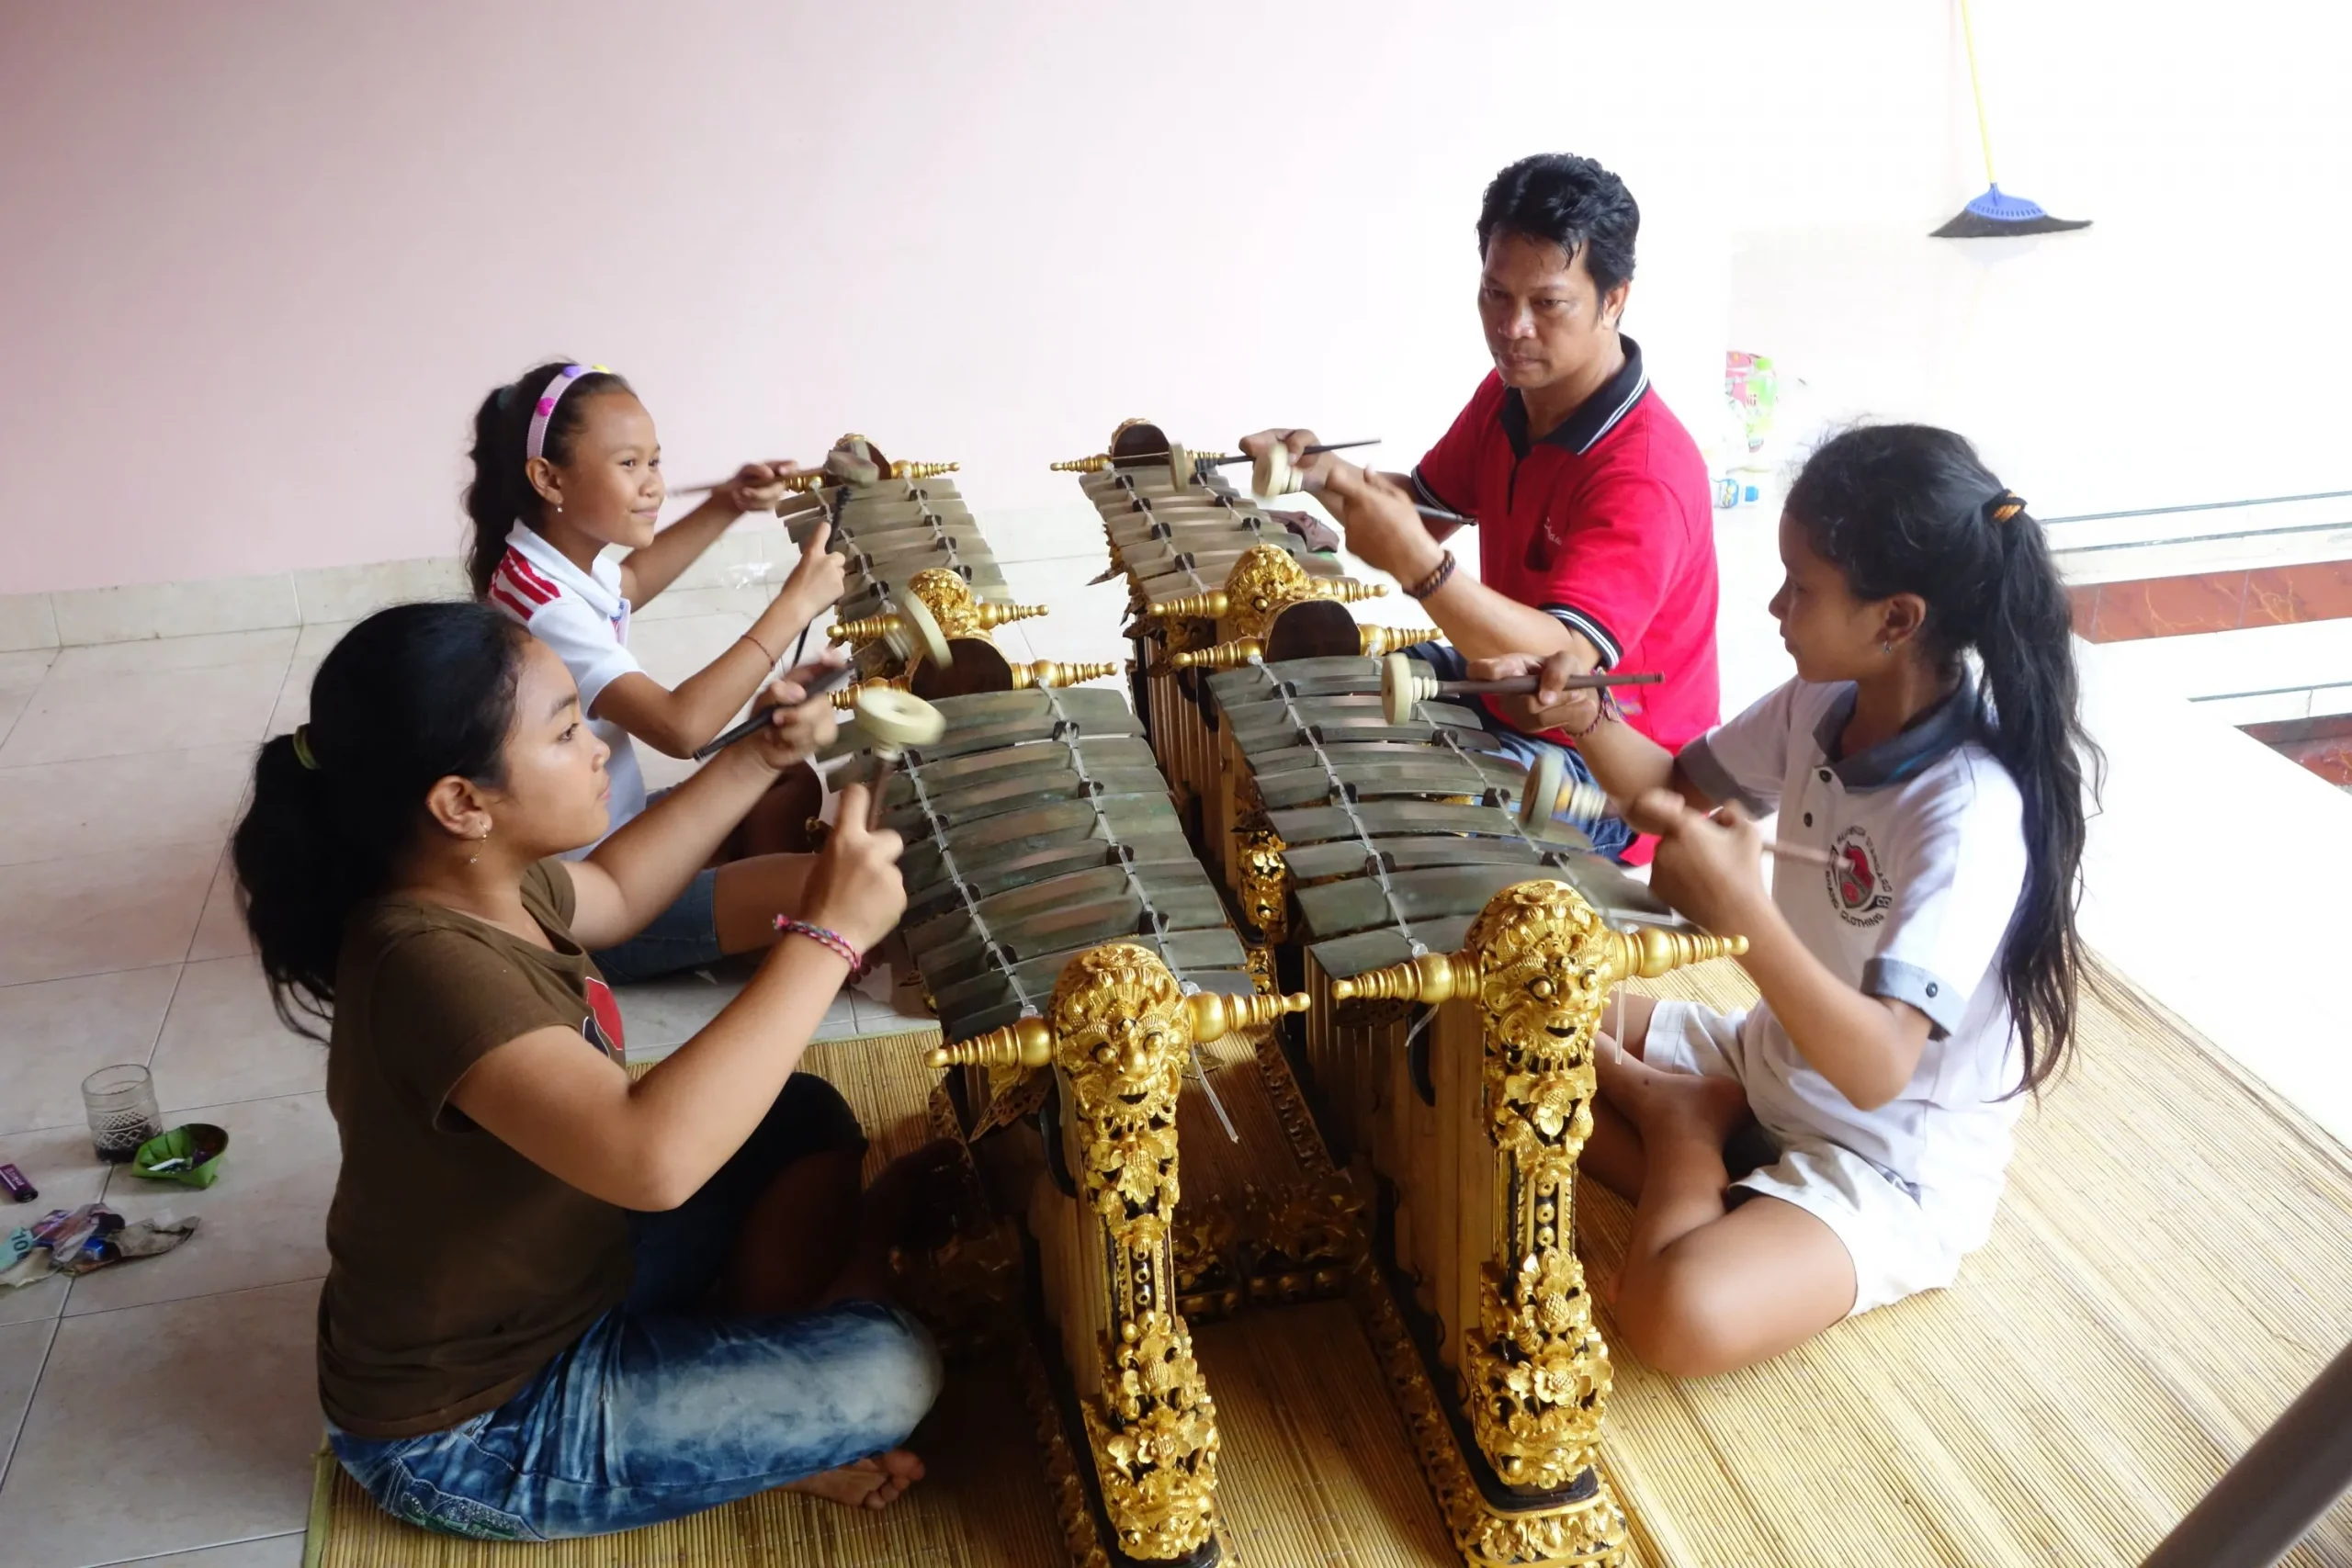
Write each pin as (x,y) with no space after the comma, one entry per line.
(500,495)
(1574,203)
(1911,508)
(410,695)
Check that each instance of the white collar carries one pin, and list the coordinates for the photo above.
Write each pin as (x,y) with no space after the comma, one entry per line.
(601,587)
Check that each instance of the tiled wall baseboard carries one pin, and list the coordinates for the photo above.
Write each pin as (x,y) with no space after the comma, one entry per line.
(332,594)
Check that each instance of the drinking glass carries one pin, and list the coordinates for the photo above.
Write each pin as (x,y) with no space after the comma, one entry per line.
(120,1101)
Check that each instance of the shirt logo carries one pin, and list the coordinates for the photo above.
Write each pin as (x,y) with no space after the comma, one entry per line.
(602,1027)
(1857,881)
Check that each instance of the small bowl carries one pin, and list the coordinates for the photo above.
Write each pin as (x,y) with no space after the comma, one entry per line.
(189,1154)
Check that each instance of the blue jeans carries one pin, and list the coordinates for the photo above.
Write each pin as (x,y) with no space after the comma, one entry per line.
(1610,835)
(657,1411)
(684,936)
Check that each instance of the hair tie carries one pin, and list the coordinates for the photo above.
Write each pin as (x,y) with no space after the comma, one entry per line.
(535,441)
(2004,506)
(302,748)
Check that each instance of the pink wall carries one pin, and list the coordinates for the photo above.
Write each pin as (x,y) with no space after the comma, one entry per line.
(263,257)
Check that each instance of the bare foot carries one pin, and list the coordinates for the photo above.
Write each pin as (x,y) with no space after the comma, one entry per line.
(1664,1104)
(866,1483)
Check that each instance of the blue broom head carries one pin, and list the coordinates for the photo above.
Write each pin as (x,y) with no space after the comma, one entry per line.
(1998,213)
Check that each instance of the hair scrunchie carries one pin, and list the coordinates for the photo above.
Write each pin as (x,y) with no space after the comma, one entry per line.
(302,748)
(2004,506)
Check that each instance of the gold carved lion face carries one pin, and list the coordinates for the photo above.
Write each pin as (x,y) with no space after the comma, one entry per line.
(1265,878)
(1121,1006)
(1543,979)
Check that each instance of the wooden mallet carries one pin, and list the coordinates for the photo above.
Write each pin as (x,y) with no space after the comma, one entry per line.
(1550,791)
(1405,680)
(894,721)
(919,633)
(758,721)
(1276,474)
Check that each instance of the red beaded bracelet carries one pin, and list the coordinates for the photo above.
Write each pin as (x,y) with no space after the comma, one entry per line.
(786,926)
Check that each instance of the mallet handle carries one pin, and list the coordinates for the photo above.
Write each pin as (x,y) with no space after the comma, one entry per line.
(1525,685)
(758,721)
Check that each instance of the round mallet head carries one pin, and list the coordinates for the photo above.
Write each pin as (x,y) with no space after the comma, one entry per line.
(924,636)
(895,720)
(1543,780)
(1550,791)
(1274,473)
(1403,682)
(1180,469)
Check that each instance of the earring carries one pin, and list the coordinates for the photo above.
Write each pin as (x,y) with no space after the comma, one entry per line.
(1886,648)
(475,857)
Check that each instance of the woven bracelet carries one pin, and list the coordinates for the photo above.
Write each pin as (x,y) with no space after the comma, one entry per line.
(786,926)
(1435,580)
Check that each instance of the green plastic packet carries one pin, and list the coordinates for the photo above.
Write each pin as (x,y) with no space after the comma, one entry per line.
(189,1154)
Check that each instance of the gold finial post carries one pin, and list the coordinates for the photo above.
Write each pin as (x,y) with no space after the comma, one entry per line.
(864,629)
(1375,642)
(1432,977)
(1647,951)
(1047,673)
(1223,656)
(1025,1043)
(1215,1016)
(1210,606)
(922,471)
(994,616)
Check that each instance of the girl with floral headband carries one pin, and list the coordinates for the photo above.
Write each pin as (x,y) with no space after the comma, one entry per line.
(567,464)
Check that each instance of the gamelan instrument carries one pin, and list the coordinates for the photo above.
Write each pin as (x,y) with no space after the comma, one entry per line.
(1457,947)
(923,589)
(1213,582)
(1080,962)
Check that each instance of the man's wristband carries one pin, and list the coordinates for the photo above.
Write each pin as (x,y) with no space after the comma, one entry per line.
(1436,580)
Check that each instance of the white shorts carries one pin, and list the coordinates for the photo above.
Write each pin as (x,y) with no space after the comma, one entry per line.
(1898,1248)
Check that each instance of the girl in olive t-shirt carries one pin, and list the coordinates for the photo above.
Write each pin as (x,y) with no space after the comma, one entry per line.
(558,1301)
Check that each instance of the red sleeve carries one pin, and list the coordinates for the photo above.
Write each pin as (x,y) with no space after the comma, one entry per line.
(1447,475)
(1609,572)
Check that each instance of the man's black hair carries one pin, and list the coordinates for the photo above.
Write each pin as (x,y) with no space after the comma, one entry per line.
(1572,202)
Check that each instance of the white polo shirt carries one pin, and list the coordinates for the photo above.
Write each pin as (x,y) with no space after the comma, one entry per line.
(1927,830)
(583,616)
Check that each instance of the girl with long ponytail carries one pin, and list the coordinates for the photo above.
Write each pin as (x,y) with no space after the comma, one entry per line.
(1842,1145)
(539,1268)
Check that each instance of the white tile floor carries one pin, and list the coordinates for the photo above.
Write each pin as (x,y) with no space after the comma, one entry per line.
(162,1411)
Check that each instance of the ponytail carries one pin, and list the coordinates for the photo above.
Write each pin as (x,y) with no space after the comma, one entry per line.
(500,495)
(410,695)
(1911,508)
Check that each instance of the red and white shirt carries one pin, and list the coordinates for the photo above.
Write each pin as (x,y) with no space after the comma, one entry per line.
(583,616)
(1606,523)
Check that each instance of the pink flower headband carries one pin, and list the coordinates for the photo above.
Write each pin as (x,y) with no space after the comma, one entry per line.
(534,444)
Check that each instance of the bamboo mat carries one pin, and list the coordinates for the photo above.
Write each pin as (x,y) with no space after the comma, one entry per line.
(2171,1265)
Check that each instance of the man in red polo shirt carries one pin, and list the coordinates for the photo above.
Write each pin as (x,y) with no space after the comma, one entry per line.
(1596,526)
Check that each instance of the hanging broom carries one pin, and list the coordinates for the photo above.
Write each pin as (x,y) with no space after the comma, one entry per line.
(1996,212)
